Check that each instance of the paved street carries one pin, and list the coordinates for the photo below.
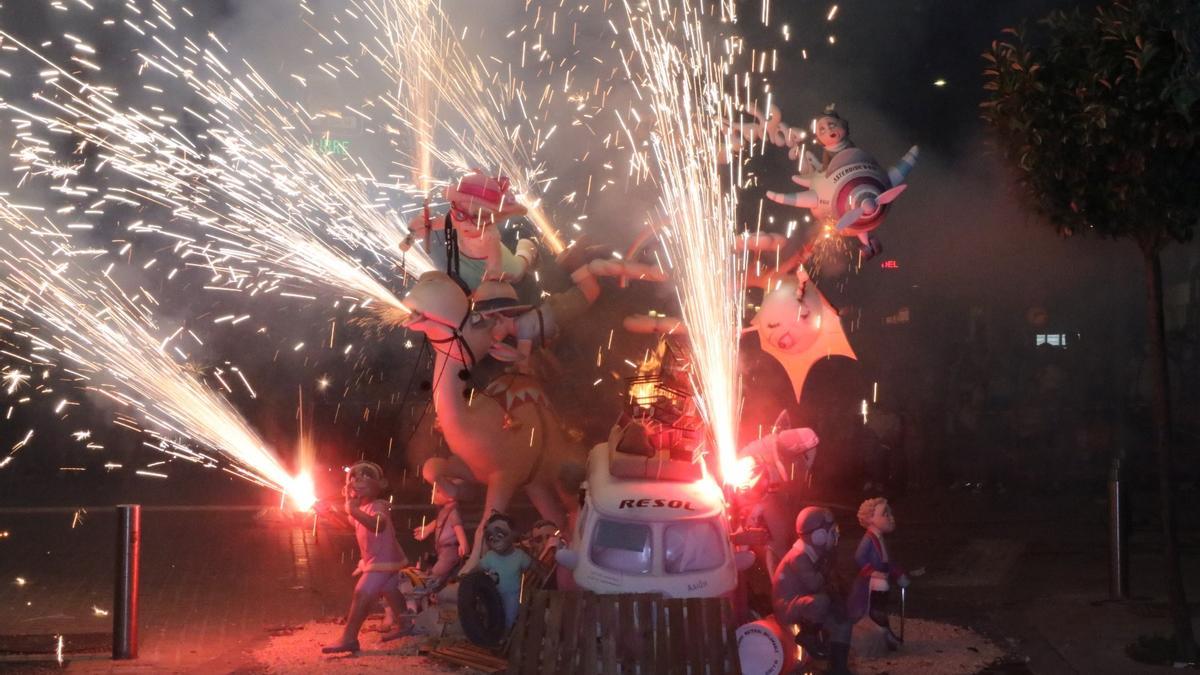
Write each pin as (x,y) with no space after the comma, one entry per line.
(214,582)
(218,583)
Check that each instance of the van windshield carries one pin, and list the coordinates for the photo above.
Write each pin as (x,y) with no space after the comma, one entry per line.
(693,546)
(622,547)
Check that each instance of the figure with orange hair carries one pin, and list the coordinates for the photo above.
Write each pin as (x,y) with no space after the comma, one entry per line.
(877,569)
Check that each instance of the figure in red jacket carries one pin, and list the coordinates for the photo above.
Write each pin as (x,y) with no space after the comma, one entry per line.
(875,565)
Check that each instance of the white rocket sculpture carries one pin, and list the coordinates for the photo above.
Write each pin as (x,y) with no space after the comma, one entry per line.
(852,194)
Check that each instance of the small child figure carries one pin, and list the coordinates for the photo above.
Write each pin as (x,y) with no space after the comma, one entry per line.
(505,562)
(872,558)
(449,537)
(540,543)
(381,557)
(833,133)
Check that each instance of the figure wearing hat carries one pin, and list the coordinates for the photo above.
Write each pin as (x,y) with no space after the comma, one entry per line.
(538,327)
(479,203)
(449,535)
(380,555)
(764,459)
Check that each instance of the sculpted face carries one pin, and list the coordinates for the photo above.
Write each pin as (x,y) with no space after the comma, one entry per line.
(830,131)
(436,303)
(883,520)
(471,224)
(438,308)
(542,538)
(362,482)
(499,537)
(440,497)
(789,323)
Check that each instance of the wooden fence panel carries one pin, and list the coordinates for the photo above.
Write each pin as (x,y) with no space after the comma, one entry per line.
(627,634)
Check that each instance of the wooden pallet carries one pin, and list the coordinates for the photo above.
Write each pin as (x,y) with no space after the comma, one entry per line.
(472,656)
(627,634)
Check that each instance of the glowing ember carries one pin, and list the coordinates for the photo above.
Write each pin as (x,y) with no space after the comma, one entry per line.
(644,389)
(742,474)
(302,492)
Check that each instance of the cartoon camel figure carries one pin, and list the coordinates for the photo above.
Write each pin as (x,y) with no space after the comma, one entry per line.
(505,436)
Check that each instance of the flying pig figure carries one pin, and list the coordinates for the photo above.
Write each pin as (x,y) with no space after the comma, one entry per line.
(796,324)
(852,194)
(799,327)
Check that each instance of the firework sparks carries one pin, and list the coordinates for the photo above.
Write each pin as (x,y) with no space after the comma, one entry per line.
(434,62)
(107,338)
(682,82)
(261,193)
(13,379)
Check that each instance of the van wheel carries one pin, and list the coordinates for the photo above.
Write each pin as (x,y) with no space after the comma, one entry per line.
(480,609)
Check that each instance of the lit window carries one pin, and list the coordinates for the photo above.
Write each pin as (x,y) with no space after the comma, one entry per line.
(1051,339)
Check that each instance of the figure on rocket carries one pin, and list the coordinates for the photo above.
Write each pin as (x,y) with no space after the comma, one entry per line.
(847,190)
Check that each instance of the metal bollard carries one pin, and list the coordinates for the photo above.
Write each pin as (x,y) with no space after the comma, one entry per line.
(1118,550)
(125,591)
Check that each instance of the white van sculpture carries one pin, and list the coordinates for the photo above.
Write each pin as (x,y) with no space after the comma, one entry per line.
(651,525)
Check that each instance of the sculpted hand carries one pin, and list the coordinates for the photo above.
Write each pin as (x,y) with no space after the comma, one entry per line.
(527,249)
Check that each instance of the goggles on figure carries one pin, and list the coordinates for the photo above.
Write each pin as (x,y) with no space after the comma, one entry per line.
(834,532)
(497,533)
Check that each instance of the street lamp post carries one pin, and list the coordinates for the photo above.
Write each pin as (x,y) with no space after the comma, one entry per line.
(125,591)
(1118,549)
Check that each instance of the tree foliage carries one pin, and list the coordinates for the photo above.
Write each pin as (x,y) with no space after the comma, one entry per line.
(1099,113)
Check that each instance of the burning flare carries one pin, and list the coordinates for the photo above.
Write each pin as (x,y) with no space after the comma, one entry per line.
(108,339)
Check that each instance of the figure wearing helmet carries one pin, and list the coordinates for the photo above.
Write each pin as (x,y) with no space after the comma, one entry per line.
(478,203)
(767,479)
(805,594)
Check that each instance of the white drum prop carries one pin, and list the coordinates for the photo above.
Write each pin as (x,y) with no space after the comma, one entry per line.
(764,648)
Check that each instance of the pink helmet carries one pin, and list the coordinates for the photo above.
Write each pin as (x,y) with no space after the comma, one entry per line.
(478,192)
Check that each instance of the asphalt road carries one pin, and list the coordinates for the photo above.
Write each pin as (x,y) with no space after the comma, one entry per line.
(216,582)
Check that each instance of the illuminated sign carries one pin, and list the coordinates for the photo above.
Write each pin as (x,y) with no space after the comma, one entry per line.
(890,265)
(330,146)
(1052,339)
